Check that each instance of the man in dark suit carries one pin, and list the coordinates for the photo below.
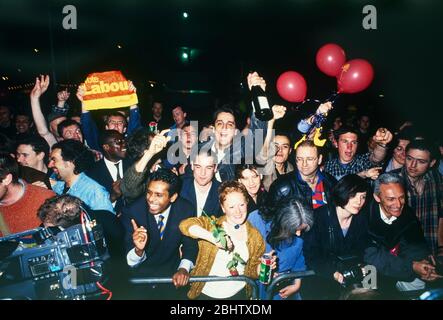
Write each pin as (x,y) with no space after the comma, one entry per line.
(109,170)
(202,189)
(154,244)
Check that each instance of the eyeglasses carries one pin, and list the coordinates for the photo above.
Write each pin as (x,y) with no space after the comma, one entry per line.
(309,159)
(116,123)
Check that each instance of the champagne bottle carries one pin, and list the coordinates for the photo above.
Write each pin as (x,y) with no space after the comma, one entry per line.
(260,104)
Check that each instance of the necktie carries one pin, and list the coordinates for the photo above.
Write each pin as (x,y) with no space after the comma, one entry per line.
(65,188)
(117,165)
(161,226)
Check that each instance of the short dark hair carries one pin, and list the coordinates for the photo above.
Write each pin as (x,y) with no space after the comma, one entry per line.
(424,145)
(239,168)
(38,145)
(167,176)
(62,211)
(225,108)
(75,152)
(347,188)
(138,142)
(106,136)
(345,129)
(284,134)
(66,123)
(8,165)
(179,106)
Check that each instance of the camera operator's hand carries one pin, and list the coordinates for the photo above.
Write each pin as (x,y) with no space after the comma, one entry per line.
(339,277)
(180,278)
(139,238)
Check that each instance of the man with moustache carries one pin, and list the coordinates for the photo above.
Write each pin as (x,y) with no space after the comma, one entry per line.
(154,244)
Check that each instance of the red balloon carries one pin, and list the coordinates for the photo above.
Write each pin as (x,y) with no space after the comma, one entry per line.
(330,58)
(356,76)
(291,86)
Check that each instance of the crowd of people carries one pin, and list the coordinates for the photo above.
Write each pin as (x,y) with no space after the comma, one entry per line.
(177,201)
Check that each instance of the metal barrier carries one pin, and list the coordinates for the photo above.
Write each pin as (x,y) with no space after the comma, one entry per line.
(286,276)
(251,282)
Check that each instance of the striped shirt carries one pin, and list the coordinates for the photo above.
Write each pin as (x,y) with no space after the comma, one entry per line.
(337,169)
(428,205)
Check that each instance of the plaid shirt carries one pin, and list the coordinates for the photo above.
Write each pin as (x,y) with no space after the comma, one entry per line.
(338,170)
(428,206)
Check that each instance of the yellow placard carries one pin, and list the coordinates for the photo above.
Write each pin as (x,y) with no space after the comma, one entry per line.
(107,90)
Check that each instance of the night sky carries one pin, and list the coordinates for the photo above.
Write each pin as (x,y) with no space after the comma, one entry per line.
(227,39)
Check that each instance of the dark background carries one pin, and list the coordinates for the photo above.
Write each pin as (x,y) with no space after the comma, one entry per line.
(227,39)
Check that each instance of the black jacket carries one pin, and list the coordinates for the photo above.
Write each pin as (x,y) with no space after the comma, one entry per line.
(100,173)
(324,243)
(163,256)
(239,151)
(212,204)
(289,185)
(404,232)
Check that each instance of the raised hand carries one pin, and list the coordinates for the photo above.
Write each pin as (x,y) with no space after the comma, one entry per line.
(255,80)
(80,92)
(383,136)
(278,111)
(139,238)
(40,87)
(159,142)
(324,108)
(131,86)
(373,173)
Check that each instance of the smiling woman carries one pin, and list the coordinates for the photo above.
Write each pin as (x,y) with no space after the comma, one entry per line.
(229,241)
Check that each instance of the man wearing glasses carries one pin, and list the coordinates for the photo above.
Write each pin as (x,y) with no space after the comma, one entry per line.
(307,181)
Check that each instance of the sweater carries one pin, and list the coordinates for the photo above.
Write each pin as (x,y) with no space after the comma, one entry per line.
(207,252)
(22,215)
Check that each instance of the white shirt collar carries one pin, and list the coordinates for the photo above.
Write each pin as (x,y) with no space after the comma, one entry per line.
(201,198)
(112,168)
(386,219)
(165,215)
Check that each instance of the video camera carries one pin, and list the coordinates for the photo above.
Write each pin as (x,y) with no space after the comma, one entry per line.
(351,269)
(63,265)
